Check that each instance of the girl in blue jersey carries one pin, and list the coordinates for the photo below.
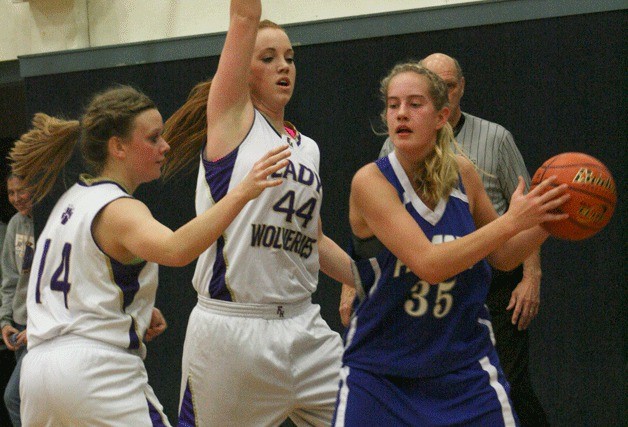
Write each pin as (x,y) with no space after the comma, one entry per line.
(418,350)
(256,349)
(91,297)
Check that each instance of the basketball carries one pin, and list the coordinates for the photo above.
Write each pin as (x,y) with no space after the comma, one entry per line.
(593,194)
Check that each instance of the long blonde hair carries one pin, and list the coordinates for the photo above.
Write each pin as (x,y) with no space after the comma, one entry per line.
(41,153)
(435,178)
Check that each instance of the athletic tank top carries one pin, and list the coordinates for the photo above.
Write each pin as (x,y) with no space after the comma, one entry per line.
(269,253)
(404,326)
(75,288)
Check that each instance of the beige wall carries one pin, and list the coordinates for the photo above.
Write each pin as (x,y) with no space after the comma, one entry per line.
(38,26)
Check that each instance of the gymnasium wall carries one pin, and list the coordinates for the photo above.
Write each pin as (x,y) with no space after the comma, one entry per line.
(38,26)
(556,83)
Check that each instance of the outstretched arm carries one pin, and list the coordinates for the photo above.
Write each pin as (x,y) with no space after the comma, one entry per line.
(126,229)
(376,209)
(530,235)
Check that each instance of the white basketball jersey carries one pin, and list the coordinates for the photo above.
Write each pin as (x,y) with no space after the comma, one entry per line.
(269,253)
(75,288)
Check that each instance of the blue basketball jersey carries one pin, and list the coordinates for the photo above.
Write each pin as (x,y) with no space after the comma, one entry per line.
(404,326)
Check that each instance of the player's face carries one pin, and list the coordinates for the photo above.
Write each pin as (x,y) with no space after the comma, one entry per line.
(446,70)
(412,119)
(273,72)
(18,196)
(146,146)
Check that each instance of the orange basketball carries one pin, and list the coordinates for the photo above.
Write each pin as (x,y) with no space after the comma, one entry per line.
(593,194)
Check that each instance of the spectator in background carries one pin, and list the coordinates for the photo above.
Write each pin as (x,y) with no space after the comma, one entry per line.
(7,357)
(16,259)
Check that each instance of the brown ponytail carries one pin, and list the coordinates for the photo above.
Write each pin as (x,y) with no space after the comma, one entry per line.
(186,131)
(41,153)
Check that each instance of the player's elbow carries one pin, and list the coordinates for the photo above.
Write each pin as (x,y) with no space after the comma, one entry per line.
(431,272)
(176,257)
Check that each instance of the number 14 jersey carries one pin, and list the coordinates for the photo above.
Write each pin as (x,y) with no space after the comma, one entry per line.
(75,288)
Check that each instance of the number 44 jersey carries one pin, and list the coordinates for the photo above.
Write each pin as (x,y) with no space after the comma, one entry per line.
(404,326)
(269,253)
(75,288)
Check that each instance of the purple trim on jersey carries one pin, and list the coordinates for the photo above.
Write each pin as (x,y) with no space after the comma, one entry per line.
(218,176)
(187,418)
(155,415)
(42,262)
(217,283)
(127,278)
(134,340)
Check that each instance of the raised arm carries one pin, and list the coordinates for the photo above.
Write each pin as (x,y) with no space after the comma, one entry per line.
(229,107)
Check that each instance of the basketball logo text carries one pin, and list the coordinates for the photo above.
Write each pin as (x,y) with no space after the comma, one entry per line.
(591,214)
(586,176)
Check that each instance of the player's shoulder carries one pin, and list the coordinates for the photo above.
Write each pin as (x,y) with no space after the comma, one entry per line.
(307,146)
(306,141)
(367,176)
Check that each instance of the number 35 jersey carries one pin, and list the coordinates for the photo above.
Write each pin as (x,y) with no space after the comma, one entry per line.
(269,253)
(75,288)
(404,326)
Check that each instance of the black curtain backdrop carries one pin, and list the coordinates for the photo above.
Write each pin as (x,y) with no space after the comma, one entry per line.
(557,84)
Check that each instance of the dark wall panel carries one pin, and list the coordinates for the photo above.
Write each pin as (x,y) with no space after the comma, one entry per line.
(557,84)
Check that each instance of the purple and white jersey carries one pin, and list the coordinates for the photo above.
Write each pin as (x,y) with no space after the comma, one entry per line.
(269,253)
(403,325)
(75,288)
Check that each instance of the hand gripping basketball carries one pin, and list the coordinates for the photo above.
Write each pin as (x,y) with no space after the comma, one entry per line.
(593,194)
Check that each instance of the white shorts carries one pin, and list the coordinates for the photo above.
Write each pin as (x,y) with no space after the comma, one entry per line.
(256,365)
(74,381)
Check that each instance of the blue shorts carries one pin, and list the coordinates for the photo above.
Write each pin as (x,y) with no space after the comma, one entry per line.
(476,395)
